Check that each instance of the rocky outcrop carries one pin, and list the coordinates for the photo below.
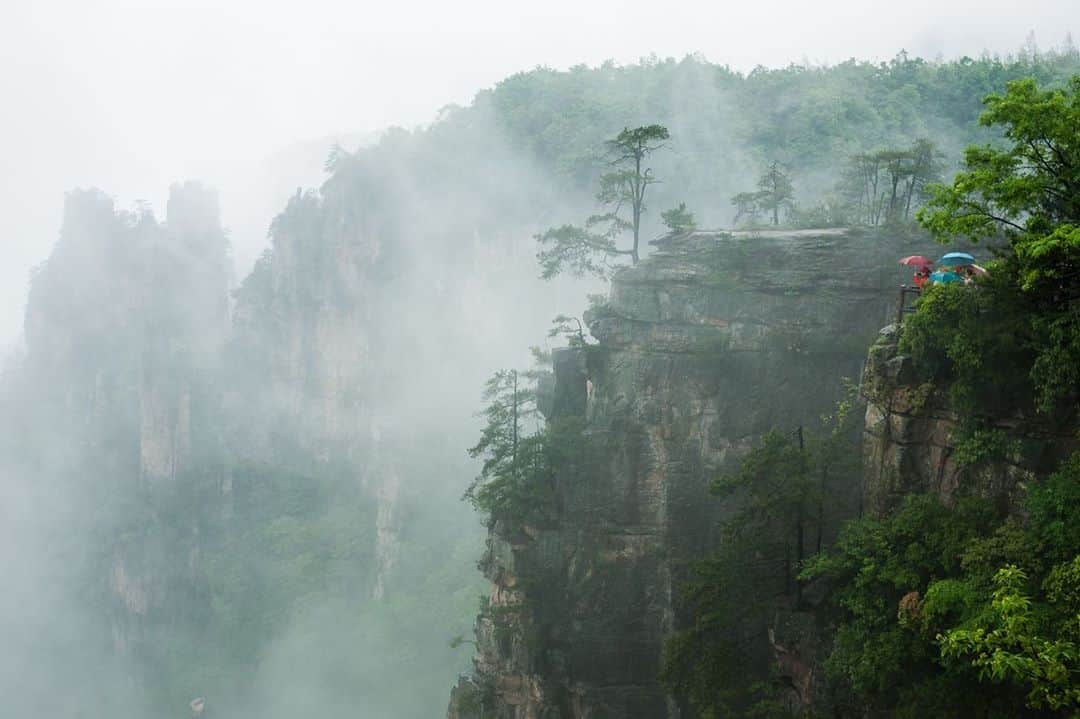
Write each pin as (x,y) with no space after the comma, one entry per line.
(702,347)
(911,438)
(124,324)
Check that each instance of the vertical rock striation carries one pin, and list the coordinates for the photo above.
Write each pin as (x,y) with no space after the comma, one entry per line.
(910,435)
(124,324)
(702,347)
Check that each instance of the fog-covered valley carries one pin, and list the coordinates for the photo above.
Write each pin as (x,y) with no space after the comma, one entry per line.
(235,466)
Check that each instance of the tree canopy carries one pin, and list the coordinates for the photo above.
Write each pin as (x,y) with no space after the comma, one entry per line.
(1024,199)
(622,189)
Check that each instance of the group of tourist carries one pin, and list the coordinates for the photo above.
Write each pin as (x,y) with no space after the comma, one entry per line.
(953,267)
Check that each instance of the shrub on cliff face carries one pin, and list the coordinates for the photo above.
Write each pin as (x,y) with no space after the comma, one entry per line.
(1011,644)
(785,496)
(1025,319)
(523,452)
(959,612)
(591,249)
(510,479)
(974,340)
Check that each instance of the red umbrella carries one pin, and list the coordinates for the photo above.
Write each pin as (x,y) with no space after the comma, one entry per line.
(917,261)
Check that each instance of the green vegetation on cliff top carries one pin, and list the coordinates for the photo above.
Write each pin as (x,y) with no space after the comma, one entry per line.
(969,611)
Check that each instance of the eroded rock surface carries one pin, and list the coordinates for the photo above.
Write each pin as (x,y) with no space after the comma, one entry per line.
(910,440)
(701,348)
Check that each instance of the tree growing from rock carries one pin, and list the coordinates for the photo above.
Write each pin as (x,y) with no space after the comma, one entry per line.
(678,219)
(1025,194)
(504,445)
(883,187)
(716,661)
(590,249)
(775,192)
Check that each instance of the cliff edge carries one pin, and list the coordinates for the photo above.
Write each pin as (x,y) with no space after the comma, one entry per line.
(702,347)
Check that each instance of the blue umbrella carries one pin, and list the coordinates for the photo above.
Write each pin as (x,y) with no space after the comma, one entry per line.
(956,259)
(945,278)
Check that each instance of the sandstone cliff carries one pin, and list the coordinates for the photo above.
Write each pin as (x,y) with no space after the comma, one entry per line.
(702,347)
(124,326)
(910,442)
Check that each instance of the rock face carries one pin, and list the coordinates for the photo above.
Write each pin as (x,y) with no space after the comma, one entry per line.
(702,347)
(123,323)
(910,440)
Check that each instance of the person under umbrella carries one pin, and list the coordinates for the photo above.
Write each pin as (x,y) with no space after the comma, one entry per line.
(921,276)
(945,277)
(922,267)
(956,259)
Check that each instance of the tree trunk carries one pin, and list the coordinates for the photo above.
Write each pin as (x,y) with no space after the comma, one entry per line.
(514,444)
(639,199)
(821,507)
(892,198)
(637,230)
(910,192)
(800,548)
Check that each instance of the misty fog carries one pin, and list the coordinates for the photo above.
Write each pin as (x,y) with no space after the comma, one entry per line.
(261,258)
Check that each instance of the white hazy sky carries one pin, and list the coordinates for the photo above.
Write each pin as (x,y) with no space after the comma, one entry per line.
(130,96)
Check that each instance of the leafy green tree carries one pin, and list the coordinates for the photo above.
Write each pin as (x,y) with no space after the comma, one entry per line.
(877,661)
(572,328)
(509,453)
(591,248)
(524,448)
(957,611)
(926,163)
(718,660)
(897,166)
(678,219)
(775,192)
(859,185)
(974,343)
(1008,642)
(746,207)
(777,499)
(1027,196)
(883,186)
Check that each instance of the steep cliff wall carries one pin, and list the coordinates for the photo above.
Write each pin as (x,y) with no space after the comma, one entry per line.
(124,326)
(708,343)
(911,439)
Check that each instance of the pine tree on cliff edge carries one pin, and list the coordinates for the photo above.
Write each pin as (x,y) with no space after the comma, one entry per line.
(590,249)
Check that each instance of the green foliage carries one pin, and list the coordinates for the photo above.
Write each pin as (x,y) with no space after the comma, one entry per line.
(578,249)
(958,611)
(775,192)
(589,249)
(569,327)
(1024,191)
(973,445)
(523,452)
(1011,643)
(883,187)
(510,481)
(717,660)
(776,491)
(972,340)
(1052,508)
(1026,195)
(874,564)
(706,662)
(830,212)
(459,640)
(808,115)
(678,219)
